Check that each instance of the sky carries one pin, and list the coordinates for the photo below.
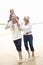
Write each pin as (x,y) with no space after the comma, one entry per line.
(31,8)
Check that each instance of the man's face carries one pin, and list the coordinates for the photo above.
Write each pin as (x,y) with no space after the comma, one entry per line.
(13,19)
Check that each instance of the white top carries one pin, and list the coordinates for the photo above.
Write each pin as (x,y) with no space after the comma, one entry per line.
(26,28)
(16,33)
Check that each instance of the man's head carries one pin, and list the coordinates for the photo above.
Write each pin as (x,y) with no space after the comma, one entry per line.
(13,18)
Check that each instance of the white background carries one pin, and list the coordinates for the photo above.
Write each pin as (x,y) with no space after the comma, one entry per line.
(31,8)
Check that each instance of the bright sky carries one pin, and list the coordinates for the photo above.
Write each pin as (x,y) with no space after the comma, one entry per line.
(31,8)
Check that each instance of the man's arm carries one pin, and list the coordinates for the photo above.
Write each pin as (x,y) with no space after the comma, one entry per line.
(7,26)
(19,26)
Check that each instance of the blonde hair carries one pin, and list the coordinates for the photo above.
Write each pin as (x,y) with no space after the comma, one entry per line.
(11,10)
(26,17)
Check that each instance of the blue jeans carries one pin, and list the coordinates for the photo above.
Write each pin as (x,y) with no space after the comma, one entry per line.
(18,44)
(28,38)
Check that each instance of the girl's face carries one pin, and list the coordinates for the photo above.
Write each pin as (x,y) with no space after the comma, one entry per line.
(12,12)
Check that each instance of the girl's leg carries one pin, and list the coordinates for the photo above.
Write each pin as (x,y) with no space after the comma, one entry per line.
(26,45)
(31,44)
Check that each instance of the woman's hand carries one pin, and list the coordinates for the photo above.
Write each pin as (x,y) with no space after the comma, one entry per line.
(27,33)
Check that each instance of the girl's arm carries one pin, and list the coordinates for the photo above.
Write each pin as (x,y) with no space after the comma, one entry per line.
(9,18)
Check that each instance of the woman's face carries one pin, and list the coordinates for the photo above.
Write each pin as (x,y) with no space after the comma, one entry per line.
(25,20)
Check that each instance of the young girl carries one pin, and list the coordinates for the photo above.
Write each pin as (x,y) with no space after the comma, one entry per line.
(11,13)
(16,33)
(27,35)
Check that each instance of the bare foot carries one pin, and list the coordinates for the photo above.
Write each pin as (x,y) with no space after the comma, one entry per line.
(29,55)
(20,61)
(33,54)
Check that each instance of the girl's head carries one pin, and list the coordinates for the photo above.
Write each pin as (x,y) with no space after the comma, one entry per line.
(11,11)
(26,19)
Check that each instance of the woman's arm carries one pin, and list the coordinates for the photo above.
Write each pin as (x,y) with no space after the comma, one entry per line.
(28,32)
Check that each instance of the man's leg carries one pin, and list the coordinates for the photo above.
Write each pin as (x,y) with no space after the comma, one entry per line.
(18,47)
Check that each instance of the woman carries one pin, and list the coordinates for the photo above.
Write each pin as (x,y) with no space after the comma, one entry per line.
(27,35)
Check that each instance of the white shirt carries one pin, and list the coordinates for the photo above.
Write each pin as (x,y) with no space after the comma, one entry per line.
(16,33)
(27,28)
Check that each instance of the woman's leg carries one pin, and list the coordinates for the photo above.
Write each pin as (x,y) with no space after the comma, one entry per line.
(31,44)
(26,44)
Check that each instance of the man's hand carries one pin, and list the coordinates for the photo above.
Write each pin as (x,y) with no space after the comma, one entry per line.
(18,24)
(6,27)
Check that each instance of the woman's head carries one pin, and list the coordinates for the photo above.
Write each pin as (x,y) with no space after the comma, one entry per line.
(26,19)
(11,11)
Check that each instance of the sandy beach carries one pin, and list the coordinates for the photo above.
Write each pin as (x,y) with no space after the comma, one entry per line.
(8,53)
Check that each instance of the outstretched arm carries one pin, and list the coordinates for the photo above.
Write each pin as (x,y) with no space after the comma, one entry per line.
(7,26)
